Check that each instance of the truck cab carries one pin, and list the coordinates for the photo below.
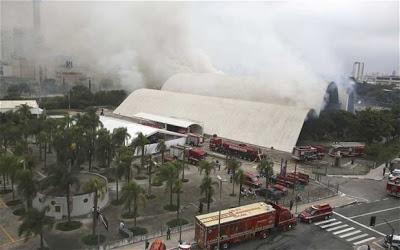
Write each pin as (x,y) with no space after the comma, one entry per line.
(252,180)
(316,212)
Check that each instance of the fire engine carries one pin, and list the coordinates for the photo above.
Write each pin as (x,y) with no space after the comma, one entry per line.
(393,186)
(347,149)
(241,150)
(307,153)
(241,223)
(192,154)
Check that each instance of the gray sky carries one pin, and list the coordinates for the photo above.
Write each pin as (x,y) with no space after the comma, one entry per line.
(145,43)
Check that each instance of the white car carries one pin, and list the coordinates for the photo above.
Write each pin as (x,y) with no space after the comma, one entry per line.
(395,242)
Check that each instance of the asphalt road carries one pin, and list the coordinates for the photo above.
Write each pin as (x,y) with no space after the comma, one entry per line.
(303,237)
(386,209)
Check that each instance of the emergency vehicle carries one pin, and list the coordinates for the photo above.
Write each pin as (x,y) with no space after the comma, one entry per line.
(316,212)
(240,224)
(393,186)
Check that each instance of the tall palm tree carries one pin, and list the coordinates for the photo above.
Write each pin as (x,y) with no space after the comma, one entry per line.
(239,179)
(140,142)
(34,222)
(206,188)
(119,137)
(62,179)
(150,166)
(132,194)
(161,147)
(117,171)
(178,189)
(12,165)
(124,158)
(207,167)
(265,167)
(168,174)
(104,147)
(99,188)
(27,186)
(233,165)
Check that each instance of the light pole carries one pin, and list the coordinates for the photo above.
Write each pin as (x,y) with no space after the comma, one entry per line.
(219,210)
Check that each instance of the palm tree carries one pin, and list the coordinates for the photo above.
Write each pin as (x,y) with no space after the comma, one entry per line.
(34,222)
(239,179)
(117,171)
(104,149)
(151,164)
(178,189)
(233,165)
(125,158)
(132,194)
(265,167)
(206,166)
(161,147)
(168,174)
(62,179)
(12,165)
(206,187)
(140,142)
(119,137)
(98,187)
(27,186)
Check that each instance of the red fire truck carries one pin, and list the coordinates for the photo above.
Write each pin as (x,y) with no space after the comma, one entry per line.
(393,186)
(308,153)
(192,154)
(240,150)
(241,223)
(348,149)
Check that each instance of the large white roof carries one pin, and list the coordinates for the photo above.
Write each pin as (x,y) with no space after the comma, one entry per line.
(13,104)
(133,129)
(164,119)
(256,123)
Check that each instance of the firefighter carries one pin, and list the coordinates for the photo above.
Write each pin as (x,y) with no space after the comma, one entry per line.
(168,233)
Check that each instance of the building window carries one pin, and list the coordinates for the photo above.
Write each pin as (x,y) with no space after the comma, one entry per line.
(85,200)
(57,208)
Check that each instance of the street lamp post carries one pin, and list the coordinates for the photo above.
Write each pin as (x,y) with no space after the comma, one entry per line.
(219,210)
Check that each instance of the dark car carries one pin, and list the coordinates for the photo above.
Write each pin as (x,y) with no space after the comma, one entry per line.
(270,193)
(316,212)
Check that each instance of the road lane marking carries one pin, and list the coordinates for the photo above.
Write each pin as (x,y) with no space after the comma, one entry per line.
(336,228)
(384,223)
(375,212)
(349,234)
(332,224)
(6,233)
(357,237)
(358,223)
(362,241)
(343,231)
(325,221)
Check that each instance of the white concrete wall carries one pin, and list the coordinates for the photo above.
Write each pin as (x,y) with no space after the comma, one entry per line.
(152,148)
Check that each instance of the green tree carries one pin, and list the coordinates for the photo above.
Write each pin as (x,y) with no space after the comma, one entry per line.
(161,147)
(119,137)
(132,194)
(239,179)
(124,158)
(104,147)
(168,173)
(206,166)
(34,222)
(265,167)
(99,188)
(150,166)
(11,165)
(178,189)
(117,171)
(206,188)
(140,143)
(233,165)
(62,179)
(27,186)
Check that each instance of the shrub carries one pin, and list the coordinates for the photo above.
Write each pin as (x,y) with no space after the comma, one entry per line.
(68,226)
(92,239)
(175,222)
(138,230)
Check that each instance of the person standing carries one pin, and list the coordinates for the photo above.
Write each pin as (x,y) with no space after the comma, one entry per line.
(291,204)
(384,171)
(168,233)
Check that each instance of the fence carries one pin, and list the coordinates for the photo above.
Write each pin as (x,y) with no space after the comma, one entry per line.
(139,238)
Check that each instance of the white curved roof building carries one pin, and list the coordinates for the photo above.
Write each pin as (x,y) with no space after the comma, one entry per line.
(258,123)
(309,94)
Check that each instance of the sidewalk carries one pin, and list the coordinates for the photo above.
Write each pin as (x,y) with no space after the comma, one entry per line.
(188,235)
(374,174)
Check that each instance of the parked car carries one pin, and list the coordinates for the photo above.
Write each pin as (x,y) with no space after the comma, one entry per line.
(252,180)
(270,192)
(316,212)
(395,241)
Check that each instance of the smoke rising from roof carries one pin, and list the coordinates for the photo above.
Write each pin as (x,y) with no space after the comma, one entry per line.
(293,48)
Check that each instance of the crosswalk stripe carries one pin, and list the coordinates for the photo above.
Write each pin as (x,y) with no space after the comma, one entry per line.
(336,228)
(332,224)
(362,241)
(357,237)
(343,231)
(348,234)
(325,221)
